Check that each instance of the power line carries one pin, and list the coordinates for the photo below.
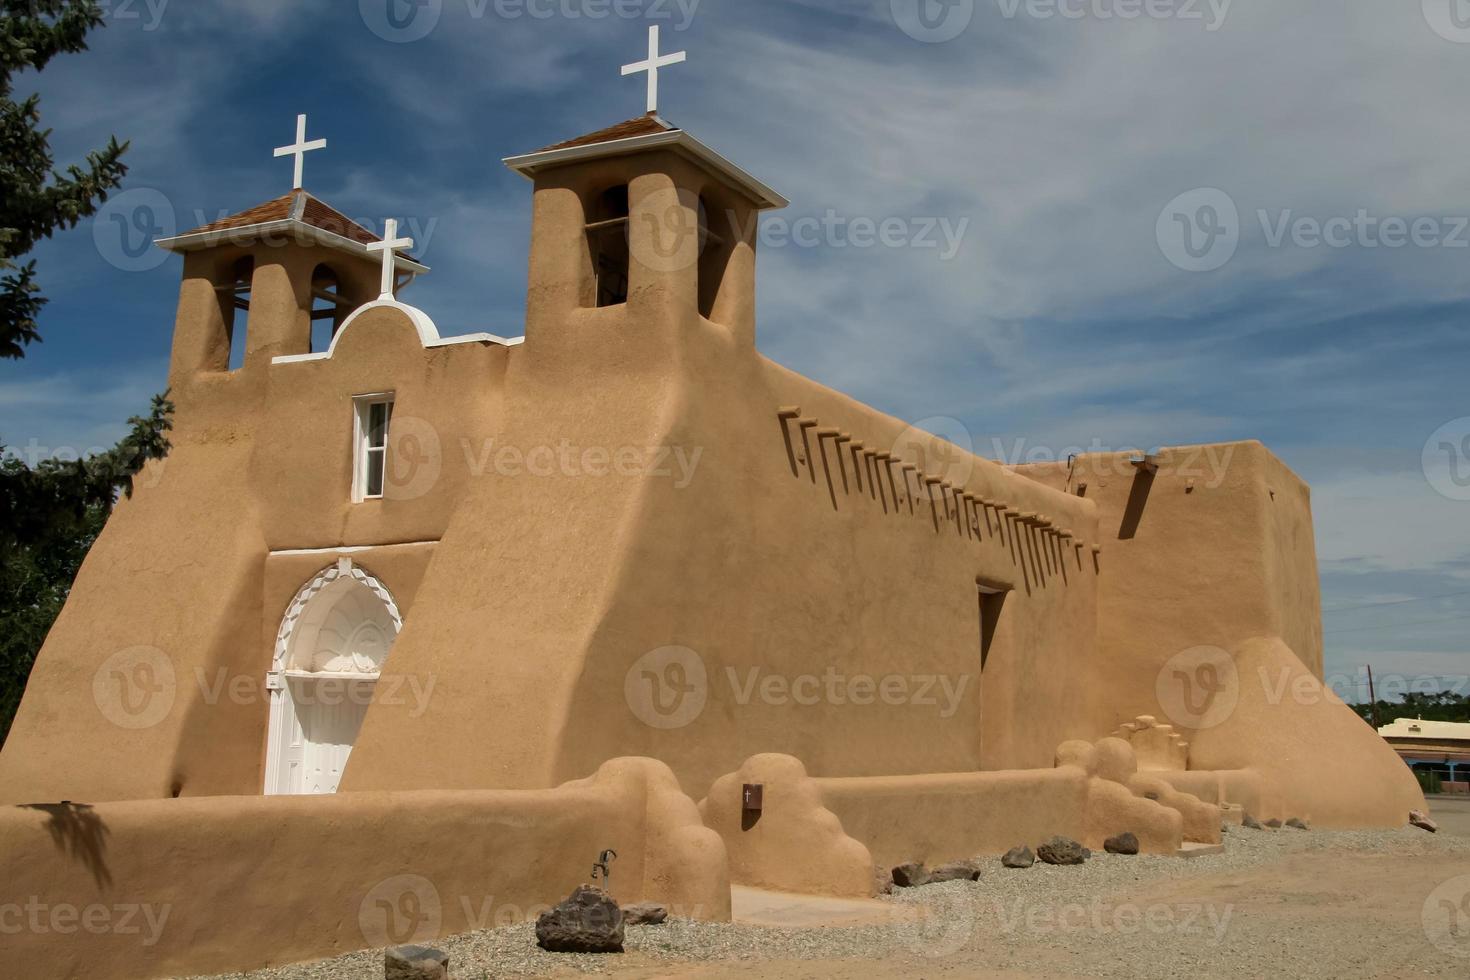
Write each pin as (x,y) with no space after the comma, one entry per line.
(1394,602)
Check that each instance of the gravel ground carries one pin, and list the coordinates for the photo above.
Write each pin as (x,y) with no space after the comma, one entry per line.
(1283,903)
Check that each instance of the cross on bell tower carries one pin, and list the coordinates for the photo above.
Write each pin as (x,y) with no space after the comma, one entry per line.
(300,150)
(652,65)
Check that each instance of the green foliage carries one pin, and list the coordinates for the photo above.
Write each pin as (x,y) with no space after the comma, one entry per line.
(36,200)
(1430,707)
(50,513)
(49,517)
(1429,781)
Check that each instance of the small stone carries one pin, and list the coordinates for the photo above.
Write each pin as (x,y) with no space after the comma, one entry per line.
(1297,823)
(1125,843)
(1018,857)
(415,963)
(1251,823)
(587,922)
(645,914)
(910,875)
(955,871)
(1060,850)
(1420,819)
(1274,824)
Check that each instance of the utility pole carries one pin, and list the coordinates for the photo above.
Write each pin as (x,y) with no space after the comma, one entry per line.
(1372,698)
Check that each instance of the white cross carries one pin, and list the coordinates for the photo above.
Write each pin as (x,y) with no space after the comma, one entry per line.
(300,150)
(652,65)
(390,246)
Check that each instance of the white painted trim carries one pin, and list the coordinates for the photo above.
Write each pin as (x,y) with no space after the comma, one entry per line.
(196,240)
(528,164)
(427,331)
(355,549)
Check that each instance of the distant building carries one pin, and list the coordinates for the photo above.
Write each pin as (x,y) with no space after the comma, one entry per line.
(1433,746)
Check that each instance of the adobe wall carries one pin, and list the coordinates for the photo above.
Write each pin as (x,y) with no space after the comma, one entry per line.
(1209,617)
(166,888)
(546,593)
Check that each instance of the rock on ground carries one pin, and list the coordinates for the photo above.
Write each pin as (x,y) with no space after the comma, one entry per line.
(910,875)
(1061,850)
(1018,857)
(955,871)
(1125,843)
(645,914)
(587,922)
(415,963)
(1420,819)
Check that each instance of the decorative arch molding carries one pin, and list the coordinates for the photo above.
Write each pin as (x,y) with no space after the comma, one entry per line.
(308,736)
(345,568)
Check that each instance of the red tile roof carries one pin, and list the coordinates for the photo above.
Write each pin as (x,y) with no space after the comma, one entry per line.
(642,126)
(298,205)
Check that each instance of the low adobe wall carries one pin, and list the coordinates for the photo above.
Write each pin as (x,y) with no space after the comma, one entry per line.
(164,888)
(825,835)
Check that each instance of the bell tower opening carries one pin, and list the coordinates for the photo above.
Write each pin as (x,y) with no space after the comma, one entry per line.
(607,243)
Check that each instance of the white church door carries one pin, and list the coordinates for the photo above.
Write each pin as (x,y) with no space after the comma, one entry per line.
(329,654)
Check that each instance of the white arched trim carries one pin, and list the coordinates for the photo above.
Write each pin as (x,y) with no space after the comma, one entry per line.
(344,567)
(427,331)
(283,728)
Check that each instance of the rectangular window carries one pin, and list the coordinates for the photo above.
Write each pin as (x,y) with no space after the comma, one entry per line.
(374,414)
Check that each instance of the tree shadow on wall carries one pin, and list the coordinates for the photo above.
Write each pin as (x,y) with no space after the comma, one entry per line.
(78,832)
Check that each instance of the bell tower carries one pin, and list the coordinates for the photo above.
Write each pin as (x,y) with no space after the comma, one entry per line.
(641,221)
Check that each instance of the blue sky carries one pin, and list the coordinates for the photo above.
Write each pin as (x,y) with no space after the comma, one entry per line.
(1068,146)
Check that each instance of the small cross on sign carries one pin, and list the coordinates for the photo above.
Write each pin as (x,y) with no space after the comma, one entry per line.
(652,65)
(390,246)
(300,150)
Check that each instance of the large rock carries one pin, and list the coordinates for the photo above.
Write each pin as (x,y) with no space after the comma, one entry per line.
(1274,824)
(587,922)
(645,914)
(1420,819)
(1125,843)
(1061,850)
(1018,857)
(910,875)
(955,871)
(1297,823)
(1251,823)
(415,963)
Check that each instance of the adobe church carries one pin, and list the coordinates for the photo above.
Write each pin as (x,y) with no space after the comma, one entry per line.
(403,604)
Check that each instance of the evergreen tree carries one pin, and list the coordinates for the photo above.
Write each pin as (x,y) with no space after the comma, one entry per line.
(50,513)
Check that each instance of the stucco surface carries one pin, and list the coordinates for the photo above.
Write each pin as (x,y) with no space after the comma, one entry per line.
(231,883)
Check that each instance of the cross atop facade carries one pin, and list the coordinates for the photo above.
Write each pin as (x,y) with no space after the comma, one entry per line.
(300,150)
(652,65)
(390,246)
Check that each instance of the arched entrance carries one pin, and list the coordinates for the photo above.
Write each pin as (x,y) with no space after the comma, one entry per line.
(330,650)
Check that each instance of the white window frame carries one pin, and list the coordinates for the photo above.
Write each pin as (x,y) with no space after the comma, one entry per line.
(364,455)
